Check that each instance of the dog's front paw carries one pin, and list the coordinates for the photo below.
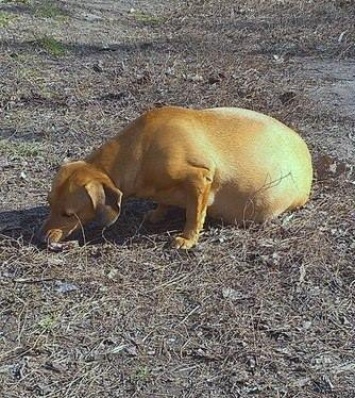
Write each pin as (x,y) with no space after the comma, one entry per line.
(180,242)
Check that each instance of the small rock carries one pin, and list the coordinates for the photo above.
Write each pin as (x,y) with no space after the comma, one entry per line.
(194,78)
(170,71)
(307,324)
(279,59)
(65,287)
(302,382)
(112,273)
(131,350)
(229,293)
(92,17)
(98,67)
(251,389)
(23,176)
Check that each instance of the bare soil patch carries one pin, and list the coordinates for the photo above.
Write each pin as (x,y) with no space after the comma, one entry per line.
(266,311)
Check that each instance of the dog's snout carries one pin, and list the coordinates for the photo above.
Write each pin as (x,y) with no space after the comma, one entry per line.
(47,235)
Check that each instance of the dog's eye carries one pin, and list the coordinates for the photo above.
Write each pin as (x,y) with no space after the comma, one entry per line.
(67,215)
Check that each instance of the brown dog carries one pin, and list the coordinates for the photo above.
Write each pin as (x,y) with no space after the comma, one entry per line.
(233,164)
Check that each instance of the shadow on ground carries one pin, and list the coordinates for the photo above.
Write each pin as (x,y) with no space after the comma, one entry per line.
(25,224)
(22,224)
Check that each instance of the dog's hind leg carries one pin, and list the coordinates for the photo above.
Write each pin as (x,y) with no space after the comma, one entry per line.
(197,188)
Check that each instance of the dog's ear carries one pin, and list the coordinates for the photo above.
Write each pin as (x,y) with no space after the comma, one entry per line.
(113,197)
(104,194)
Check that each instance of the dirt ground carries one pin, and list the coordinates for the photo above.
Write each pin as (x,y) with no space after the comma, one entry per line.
(266,311)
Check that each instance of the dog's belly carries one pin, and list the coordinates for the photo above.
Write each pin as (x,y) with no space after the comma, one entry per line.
(230,206)
(233,206)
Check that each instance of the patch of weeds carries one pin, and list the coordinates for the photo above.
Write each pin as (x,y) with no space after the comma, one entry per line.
(141,374)
(17,150)
(51,45)
(5,19)
(49,9)
(148,19)
(47,324)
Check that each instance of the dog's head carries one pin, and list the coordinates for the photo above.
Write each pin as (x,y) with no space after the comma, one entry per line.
(80,193)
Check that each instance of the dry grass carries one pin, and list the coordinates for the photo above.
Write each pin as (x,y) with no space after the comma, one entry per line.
(262,312)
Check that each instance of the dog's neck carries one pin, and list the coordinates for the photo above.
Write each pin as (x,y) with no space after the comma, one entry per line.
(116,160)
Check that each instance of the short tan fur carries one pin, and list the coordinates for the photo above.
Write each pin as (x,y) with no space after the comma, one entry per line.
(230,163)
